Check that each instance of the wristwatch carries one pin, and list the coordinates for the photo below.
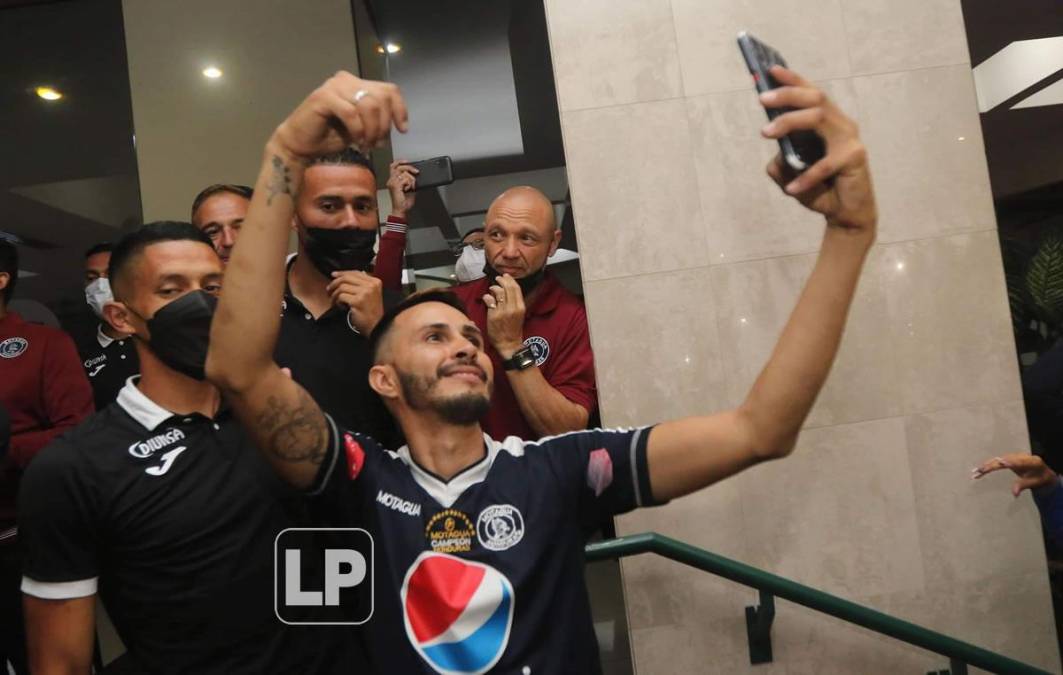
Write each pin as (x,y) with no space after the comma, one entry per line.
(522,359)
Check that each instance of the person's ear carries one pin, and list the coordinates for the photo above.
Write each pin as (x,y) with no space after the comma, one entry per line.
(119,317)
(5,279)
(555,243)
(384,380)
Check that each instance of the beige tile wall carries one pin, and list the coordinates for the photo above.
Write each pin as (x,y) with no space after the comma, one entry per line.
(692,261)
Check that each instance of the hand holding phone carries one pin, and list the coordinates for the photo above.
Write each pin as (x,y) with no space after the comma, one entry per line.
(800,149)
(406,178)
(433,172)
(823,163)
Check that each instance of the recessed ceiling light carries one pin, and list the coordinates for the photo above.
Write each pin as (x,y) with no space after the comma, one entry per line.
(961,138)
(393,48)
(49,93)
(212,72)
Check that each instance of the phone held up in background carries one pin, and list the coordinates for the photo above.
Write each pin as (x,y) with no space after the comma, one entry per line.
(434,172)
(800,149)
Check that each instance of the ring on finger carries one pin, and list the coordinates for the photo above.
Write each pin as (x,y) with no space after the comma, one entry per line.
(360,94)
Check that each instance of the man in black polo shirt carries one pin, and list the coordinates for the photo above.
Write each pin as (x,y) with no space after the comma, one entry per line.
(331,303)
(158,503)
(108,357)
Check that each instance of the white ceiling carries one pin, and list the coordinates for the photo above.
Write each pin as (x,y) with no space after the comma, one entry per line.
(192,131)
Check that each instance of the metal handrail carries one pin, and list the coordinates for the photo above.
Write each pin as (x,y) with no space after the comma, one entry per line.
(959,652)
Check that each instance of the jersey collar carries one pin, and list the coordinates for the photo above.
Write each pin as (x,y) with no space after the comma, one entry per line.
(104,339)
(448,492)
(141,408)
(295,305)
(547,295)
(11,321)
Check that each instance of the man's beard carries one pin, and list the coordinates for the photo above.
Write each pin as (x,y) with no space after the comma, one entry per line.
(461,409)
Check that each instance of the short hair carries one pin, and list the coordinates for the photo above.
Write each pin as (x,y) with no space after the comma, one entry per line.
(102,247)
(346,157)
(129,247)
(9,264)
(383,327)
(211,190)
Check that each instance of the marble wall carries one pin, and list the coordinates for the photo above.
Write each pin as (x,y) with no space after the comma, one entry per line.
(692,261)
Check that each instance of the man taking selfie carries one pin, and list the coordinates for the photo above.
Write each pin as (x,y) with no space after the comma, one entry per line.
(485,569)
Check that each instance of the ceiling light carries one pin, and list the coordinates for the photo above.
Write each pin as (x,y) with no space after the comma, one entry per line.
(380,49)
(49,94)
(393,48)
(961,138)
(212,72)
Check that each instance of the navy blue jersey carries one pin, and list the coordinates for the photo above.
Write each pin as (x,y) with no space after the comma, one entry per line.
(484,571)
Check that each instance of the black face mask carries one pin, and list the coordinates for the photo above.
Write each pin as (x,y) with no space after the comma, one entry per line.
(527,284)
(339,250)
(180,333)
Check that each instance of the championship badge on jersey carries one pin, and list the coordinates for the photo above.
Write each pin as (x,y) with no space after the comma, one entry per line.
(450,531)
(458,613)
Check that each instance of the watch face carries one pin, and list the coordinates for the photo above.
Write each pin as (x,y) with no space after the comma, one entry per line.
(521,359)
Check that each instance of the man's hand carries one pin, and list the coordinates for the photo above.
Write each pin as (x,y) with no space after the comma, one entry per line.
(402,181)
(505,316)
(848,202)
(1032,471)
(345,110)
(360,292)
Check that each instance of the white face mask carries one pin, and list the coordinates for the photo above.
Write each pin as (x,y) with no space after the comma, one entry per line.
(470,265)
(98,294)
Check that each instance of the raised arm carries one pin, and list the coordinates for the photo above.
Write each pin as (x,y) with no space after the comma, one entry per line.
(690,454)
(59,635)
(402,181)
(281,416)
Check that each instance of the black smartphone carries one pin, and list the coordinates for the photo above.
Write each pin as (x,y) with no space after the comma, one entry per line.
(434,172)
(800,149)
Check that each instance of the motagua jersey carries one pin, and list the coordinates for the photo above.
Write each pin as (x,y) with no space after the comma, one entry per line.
(484,572)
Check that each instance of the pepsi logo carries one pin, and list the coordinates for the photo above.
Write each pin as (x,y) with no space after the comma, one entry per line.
(458,613)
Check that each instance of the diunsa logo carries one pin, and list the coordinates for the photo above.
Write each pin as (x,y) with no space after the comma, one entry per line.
(145,449)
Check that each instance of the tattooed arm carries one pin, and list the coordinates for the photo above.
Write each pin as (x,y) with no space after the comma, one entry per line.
(281,416)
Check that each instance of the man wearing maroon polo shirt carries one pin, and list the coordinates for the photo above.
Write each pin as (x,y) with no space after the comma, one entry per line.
(45,393)
(536,329)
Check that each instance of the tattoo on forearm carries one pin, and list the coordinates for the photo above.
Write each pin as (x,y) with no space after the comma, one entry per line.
(294,433)
(280,182)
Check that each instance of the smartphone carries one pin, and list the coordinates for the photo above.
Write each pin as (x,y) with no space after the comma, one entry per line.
(800,149)
(434,172)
